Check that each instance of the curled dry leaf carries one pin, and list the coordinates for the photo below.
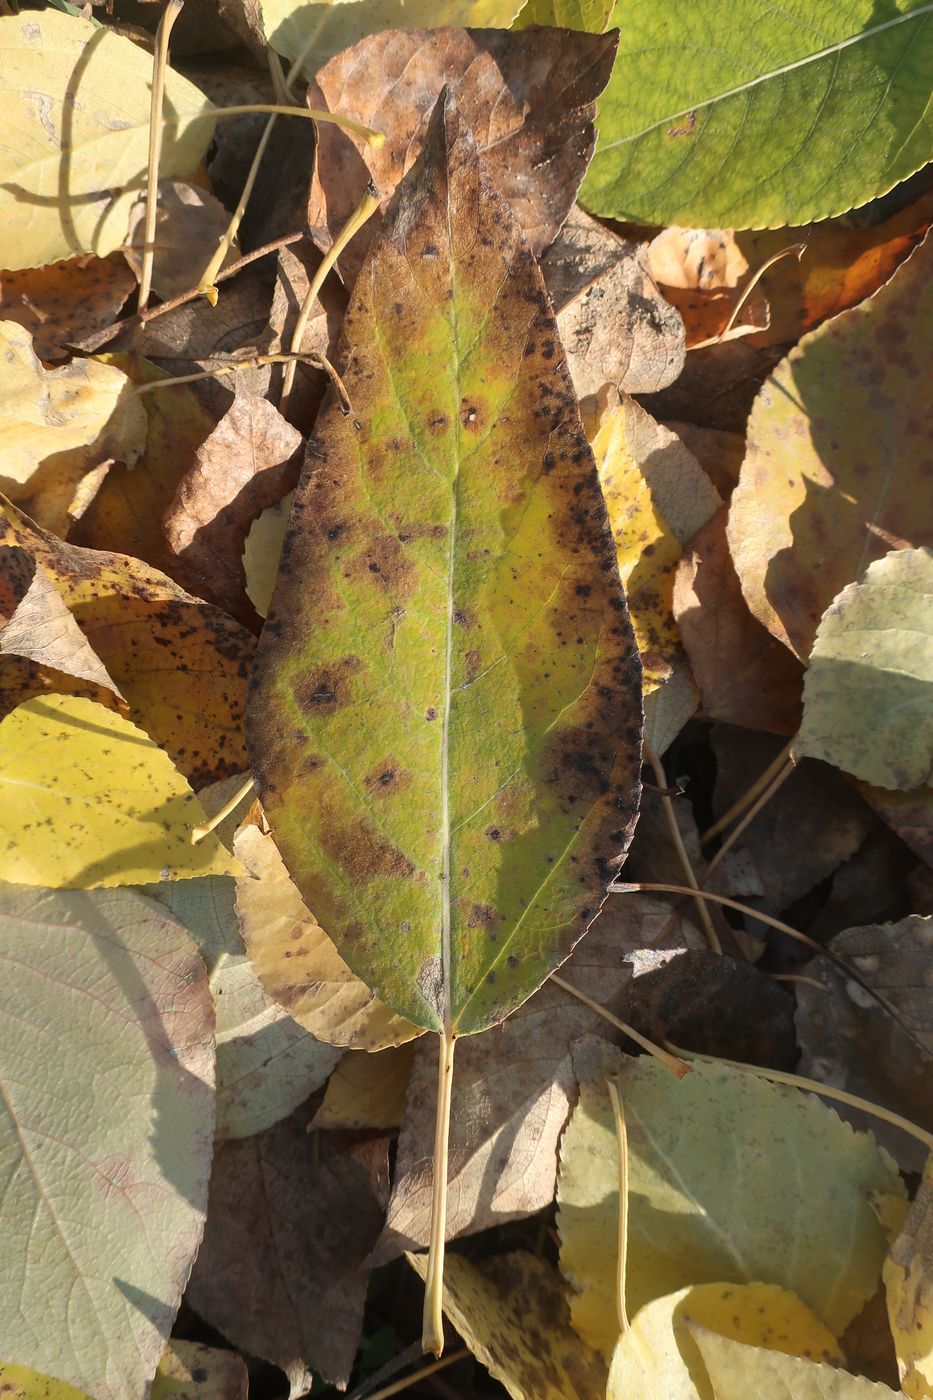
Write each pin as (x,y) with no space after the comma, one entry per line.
(514,1087)
(107,1069)
(35,623)
(615,326)
(745,675)
(75,86)
(190,223)
(872,1033)
(281,1270)
(104,805)
(527,97)
(180,663)
(512,1313)
(701,271)
(249,461)
(58,424)
(866,696)
(908,1282)
(818,498)
(297,963)
(61,303)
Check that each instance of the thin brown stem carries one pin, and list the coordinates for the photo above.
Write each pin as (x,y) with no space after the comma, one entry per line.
(314,114)
(160,62)
(233,367)
(198,833)
(668,1061)
(618,1114)
(792,250)
(432,1335)
(747,798)
(712,937)
(761,801)
(746,909)
(421,1374)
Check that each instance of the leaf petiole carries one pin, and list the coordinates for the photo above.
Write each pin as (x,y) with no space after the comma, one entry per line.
(432,1335)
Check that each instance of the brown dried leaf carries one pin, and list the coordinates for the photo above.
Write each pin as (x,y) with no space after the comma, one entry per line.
(249,461)
(872,1033)
(701,271)
(745,675)
(514,1087)
(190,223)
(294,270)
(281,1273)
(718,452)
(527,97)
(180,663)
(65,301)
(615,326)
(910,814)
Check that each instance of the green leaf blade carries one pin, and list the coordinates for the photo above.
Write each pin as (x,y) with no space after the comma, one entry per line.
(790,115)
(445,713)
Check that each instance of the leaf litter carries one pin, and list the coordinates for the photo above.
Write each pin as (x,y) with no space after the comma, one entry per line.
(760,488)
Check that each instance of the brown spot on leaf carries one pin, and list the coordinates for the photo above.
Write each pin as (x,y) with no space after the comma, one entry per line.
(328,686)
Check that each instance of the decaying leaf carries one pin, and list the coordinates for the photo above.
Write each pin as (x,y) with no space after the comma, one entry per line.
(731,1179)
(700,271)
(92,801)
(367,1091)
(193,1371)
(281,1269)
(295,961)
(737,1371)
(190,222)
(515,1085)
(867,693)
(71,86)
(457,846)
(58,424)
(512,1314)
(908,1282)
(744,674)
(180,663)
(64,301)
(528,99)
(819,497)
(910,814)
(248,463)
(658,1355)
(107,1068)
(615,326)
(872,1033)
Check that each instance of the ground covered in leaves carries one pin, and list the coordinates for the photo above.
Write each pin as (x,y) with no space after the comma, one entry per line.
(662,312)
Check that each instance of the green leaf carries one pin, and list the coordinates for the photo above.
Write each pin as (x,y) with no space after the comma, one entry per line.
(868,692)
(74,136)
(444,721)
(761,115)
(591,15)
(90,800)
(731,1179)
(106,1084)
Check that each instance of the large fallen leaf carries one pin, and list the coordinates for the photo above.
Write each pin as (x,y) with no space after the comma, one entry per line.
(281,1268)
(333,25)
(515,1085)
(297,964)
(731,1179)
(249,461)
(657,1358)
(36,625)
(57,424)
(512,1314)
(874,1036)
(193,1371)
(107,1068)
(745,675)
(528,99)
(908,1282)
(768,125)
(457,844)
(180,663)
(868,691)
(266,1063)
(367,1091)
(737,1371)
(92,801)
(835,471)
(74,87)
(615,326)
(645,471)
(61,303)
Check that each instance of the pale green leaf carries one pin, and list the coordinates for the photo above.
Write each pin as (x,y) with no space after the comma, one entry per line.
(106,1127)
(74,135)
(757,115)
(868,691)
(90,800)
(737,1371)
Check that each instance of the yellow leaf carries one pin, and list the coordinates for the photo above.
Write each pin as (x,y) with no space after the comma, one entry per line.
(193,1371)
(56,424)
(262,551)
(657,1358)
(908,1282)
(74,136)
(367,1091)
(513,1316)
(298,964)
(91,801)
(22,1383)
(737,1372)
